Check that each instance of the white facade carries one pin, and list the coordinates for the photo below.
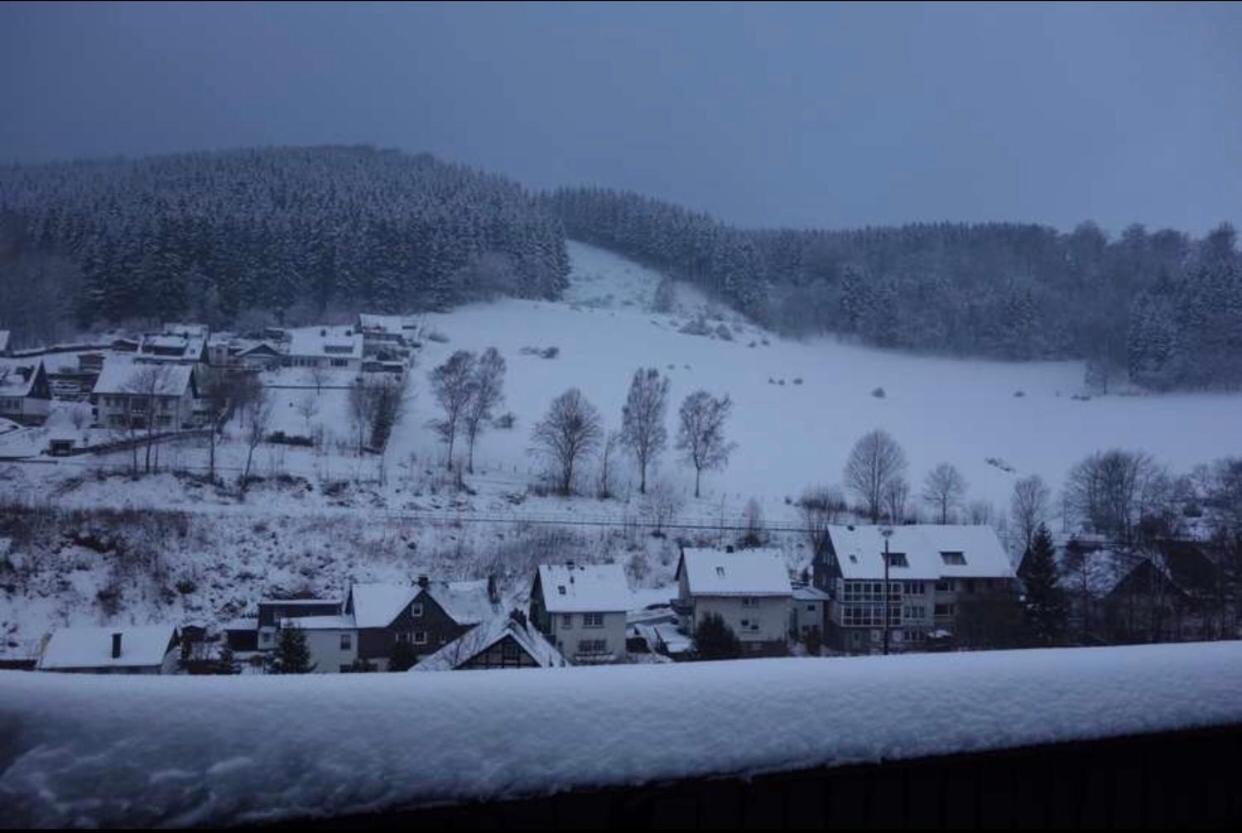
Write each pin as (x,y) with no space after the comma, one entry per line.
(581,609)
(332,649)
(588,637)
(749,590)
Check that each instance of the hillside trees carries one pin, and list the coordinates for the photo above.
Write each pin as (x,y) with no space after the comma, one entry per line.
(943,490)
(453,386)
(875,471)
(487,393)
(570,432)
(700,432)
(643,431)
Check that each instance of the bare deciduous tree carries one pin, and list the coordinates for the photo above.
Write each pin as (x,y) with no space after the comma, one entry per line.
(307,407)
(452,383)
(944,489)
(148,389)
(662,505)
(217,390)
(1028,507)
(896,496)
(258,413)
(874,463)
(489,380)
(1110,492)
(642,420)
(700,433)
(607,450)
(821,507)
(568,433)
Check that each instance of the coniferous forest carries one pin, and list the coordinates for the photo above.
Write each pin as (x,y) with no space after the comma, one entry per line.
(291,234)
(291,231)
(1160,307)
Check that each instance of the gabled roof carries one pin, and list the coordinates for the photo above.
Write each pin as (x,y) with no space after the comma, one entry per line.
(465,602)
(123,375)
(804,593)
(931,552)
(91,647)
(376,605)
(263,347)
(711,572)
(18,376)
(478,639)
(584,588)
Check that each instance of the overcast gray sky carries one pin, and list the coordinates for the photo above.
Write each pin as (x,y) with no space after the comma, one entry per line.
(766,115)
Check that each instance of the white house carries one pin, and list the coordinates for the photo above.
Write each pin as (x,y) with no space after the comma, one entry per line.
(133,394)
(123,649)
(808,610)
(933,571)
(25,393)
(581,608)
(182,347)
(334,348)
(331,641)
(749,589)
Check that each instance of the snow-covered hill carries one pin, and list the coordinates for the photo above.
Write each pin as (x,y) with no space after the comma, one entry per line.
(800,405)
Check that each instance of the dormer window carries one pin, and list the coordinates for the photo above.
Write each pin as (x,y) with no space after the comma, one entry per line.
(720,571)
(898,559)
(560,588)
(953,558)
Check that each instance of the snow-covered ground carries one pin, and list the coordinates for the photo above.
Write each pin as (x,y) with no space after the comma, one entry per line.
(176,751)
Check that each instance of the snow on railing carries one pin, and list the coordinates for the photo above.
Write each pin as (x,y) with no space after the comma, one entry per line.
(224,750)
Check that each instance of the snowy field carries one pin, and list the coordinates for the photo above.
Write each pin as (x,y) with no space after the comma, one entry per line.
(178,751)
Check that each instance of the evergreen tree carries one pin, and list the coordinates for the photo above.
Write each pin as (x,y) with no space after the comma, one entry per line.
(292,652)
(714,639)
(1045,605)
(402,656)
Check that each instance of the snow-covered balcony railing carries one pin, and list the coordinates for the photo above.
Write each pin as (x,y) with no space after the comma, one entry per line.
(198,750)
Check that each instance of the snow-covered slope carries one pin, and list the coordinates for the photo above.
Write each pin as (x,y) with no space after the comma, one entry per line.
(800,405)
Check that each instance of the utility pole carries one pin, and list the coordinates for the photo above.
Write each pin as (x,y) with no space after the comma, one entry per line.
(887,532)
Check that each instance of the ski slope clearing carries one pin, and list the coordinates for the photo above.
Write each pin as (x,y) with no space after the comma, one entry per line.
(799,406)
(177,751)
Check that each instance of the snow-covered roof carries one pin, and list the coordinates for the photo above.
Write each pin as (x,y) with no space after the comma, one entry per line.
(172,345)
(333,342)
(376,605)
(478,639)
(123,375)
(433,740)
(91,647)
(17,376)
(466,602)
(393,324)
(187,329)
(804,593)
(584,588)
(243,624)
(758,572)
(258,347)
(320,623)
(931,552)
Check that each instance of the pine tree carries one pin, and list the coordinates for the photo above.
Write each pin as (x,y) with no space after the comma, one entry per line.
(1045,605)
(714,639)
(292,652)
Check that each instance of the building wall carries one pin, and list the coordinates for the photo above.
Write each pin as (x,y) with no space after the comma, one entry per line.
(506,653)
(805,614)
(326,651)
(568,630)
(171,412)
(766,621)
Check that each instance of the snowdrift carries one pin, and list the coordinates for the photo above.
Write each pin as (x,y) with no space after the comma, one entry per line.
(92,751)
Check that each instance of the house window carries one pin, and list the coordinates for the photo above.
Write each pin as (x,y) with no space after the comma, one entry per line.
(897,559)
(560,588)
(944,586)
(945,610)
(750,601)
(402,636)
(720,572)
(347,642)
(567,620)
(914,588)
(592,646)
(420,637)
(340,363)
(265,637)
(953,558)
(810,608)
(416,610)
(510,652)
(592,620)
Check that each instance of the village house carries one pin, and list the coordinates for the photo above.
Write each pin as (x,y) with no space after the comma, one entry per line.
(132,394)
(938,577)
(749,589)
(510,642)
(123,649)
(426,615)
(333,348)
(331,641)
(187,345)
(581,609)
(808,611)
(257,356)
(1159,591)
(387,337)
(273,613)
(25,393)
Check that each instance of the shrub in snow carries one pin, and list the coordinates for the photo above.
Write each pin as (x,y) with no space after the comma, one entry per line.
(781,382)
(1019,393)
(724,333)
(714,639)
(878,393)
(551,352)
(438,337)
(752,344)
(697,327)
(797,380)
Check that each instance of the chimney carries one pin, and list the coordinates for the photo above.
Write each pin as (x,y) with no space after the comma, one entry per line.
(493,592)
(424,582)
(323,331)
(116,646)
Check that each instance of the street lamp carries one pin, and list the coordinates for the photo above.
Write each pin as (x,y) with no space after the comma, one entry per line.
(887,532)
